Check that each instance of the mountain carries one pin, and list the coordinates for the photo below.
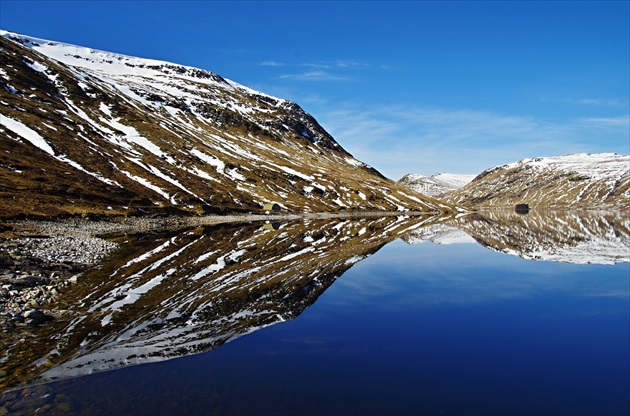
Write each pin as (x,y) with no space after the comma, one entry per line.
(90,132)
(570,181)
(435,185)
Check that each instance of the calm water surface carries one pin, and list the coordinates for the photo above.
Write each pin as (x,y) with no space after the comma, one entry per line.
(454,329)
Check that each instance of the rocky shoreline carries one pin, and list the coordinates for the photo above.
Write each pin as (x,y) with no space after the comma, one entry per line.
(35,270)
(40,259)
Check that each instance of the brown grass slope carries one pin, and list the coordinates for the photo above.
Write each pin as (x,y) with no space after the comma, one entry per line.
(181,141)
(555,185)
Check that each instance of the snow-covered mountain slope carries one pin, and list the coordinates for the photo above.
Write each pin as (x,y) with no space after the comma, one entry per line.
(174,295)
(555,235)
(580,180)
(91,132)
(435,185)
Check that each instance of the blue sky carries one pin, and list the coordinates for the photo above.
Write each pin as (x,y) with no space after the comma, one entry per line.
(422,87)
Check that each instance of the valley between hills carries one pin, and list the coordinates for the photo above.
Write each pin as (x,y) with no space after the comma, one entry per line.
(90,133)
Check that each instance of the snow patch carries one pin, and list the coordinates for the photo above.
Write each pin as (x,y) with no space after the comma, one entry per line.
(27,134)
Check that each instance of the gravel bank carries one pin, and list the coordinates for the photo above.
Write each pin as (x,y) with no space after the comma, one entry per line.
(35,270)
(41,259)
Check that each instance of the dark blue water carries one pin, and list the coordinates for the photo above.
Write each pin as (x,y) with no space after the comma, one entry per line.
(414,329)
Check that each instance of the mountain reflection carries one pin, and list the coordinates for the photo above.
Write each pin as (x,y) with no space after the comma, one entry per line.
(562,236)
(168,296)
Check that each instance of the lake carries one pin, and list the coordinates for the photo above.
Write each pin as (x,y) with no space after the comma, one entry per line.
(489,314)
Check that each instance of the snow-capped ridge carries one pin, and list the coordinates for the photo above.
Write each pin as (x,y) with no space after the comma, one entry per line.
(594,165)
(119,64)
(90,58)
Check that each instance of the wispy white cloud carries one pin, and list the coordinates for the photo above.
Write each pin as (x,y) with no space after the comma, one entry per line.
(334,70)
(607,122)
(599,102)
(313,76)
(397,140)
(322,64)
(352,64)
(312,65)
(591,101)
(271,63)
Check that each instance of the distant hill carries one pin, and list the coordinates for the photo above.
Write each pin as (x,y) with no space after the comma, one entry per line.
(86,132)
(570,181)
(435,185)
